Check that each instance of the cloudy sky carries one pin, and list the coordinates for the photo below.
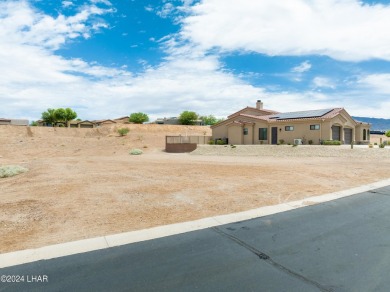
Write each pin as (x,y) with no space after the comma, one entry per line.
(109,58)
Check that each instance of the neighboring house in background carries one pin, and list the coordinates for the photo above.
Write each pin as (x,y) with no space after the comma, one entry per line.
(123,120)
(82,124)
(100,123)
(255,125)
(13,122)
(72,124)
(168,121)
(175,121)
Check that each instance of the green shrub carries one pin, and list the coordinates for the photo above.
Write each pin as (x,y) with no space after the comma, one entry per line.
(220,142)
(11,170)
(136,152)
(281,141)
(310,142)
(211,142)
(387,133)
(138,118)
(382,145)
(375,143)
(123,131)
(331,142)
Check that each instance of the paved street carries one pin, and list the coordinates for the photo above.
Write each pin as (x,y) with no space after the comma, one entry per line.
(342,245)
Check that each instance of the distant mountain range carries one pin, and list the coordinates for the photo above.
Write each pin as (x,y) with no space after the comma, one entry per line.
(376,124)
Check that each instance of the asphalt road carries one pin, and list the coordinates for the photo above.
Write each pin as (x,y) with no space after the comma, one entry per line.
(342,245)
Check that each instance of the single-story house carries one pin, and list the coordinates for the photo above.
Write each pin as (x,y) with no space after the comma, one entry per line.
(256,125)
(100,123)
(82,124)
(14,122)
(123,120)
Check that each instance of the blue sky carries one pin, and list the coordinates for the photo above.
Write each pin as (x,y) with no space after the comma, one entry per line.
(107,59)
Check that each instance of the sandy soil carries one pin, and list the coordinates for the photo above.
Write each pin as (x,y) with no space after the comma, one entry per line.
(83,183)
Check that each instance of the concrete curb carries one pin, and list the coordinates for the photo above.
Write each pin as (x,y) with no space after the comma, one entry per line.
(81,246)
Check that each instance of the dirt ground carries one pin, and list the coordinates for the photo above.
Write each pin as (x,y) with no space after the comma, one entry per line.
(83,183)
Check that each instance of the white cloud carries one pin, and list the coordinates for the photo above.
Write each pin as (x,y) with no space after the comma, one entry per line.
(323,82)
(303,67)
(166,10)
(34,78)
(376,83)
(149,8)
(341,29)
(67,4)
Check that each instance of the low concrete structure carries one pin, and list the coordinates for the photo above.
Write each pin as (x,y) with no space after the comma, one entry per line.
(14,122)
(182,144)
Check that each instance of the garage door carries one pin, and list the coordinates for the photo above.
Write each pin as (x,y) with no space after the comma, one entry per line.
(347,136)
(336,133)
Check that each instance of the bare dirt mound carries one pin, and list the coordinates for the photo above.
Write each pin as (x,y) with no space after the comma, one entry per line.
(83,183)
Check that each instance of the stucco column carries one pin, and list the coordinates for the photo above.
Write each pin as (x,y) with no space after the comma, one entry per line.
(342,134)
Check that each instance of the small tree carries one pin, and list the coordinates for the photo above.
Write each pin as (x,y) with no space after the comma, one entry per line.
(65,115)
(49,116)
(188,118)
(33,124)
(209,120)
(388,133)
(138,118)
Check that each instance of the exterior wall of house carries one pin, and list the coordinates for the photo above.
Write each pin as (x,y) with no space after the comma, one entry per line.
(256,137)
(220,132)
(235,134)
(300,130)
(249,137)
(360,138)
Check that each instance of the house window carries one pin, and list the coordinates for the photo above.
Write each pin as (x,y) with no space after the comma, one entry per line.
(314,127)
(289,128)
(263,133)
(245,131)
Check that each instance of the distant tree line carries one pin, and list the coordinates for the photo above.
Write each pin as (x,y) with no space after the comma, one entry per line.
(60,115)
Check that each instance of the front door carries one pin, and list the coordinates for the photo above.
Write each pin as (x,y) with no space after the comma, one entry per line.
(274,137)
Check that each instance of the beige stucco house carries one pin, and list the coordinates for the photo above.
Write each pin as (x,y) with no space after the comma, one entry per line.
(256,125)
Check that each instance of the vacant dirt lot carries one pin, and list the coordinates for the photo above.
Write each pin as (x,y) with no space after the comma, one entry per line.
(83,183)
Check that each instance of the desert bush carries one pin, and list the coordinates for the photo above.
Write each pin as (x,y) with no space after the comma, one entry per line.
(123,131)
(387,133)
(211,142)
(331,142)
(382,145)
(375,143)
(310,142)
(136,152)
(138,118)
(220,142)
(281,141)
(294,145)
(11,170)
(370,146)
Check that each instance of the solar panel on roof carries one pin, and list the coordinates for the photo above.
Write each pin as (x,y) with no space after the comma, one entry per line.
(301,114)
